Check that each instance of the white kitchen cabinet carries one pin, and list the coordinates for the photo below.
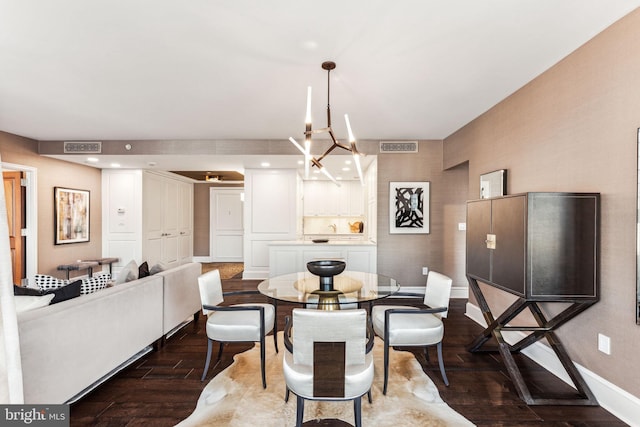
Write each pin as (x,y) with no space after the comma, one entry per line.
(147,216)
(325,198)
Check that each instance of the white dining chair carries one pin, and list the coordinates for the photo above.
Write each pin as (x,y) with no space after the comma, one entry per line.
(336,344)
(410,326)
(235,323)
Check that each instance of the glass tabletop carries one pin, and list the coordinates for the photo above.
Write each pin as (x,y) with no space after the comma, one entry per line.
(349,287)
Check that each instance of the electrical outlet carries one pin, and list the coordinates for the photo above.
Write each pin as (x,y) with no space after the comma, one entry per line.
(462,226)
(425,271)
(604,344)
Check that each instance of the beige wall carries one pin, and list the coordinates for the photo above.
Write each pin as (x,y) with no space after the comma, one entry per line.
(574,128)
(55,173)
(402,256)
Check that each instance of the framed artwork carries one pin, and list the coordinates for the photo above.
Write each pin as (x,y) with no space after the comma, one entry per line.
(409,207)
(493,184)
(71,215)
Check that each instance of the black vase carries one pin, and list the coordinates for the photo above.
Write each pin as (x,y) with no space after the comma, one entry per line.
(326,269)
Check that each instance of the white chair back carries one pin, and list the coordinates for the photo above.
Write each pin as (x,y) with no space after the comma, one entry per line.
(210,287)
(438,292)
(349,326)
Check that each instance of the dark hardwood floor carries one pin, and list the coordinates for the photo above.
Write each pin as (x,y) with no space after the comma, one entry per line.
(162,388)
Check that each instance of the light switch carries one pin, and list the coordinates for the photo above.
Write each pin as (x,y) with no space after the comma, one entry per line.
(491,241)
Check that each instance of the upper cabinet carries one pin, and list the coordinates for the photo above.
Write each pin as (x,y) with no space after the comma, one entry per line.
(328,199)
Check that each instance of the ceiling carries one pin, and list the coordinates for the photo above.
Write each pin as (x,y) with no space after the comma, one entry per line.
(239,70)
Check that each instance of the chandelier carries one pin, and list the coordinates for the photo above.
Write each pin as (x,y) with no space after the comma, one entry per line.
(312,161)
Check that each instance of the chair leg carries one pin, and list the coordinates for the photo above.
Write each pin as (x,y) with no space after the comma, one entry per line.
(262,359)
(286,395)
(441,363)
(426,354)
(220,350)
(206,364)
(386,368)
(275,324)
(299,411)
(369,396)
(357,411)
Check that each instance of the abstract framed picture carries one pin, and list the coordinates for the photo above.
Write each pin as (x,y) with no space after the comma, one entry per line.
(71,215)
(409,207)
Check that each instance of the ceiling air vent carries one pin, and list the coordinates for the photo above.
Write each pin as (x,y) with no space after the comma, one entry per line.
(83,147)
(398,146)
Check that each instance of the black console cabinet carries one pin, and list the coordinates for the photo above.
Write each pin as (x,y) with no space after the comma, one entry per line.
(542,247)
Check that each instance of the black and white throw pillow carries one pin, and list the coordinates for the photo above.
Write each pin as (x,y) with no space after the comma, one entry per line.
(45,282)
(95,283)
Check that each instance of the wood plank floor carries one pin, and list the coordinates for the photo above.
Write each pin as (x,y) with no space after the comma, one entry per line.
(162,388)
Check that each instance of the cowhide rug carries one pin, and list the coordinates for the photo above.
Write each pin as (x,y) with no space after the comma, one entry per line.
(235,396)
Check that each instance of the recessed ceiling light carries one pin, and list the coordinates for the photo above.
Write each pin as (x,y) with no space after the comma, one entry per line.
(115,165)
(92,159)
(301,162)
(347,162)
(265,164)
(346,169)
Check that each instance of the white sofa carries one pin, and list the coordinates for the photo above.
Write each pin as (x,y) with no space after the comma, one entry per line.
(69,346)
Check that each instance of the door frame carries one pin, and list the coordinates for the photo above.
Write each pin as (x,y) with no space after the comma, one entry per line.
(31,217)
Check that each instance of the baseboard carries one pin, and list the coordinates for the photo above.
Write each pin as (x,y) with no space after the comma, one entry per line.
(202,259)
(619,402)
(255,275)
(460,292)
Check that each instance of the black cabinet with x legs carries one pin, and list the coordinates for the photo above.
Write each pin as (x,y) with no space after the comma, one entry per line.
(543,248)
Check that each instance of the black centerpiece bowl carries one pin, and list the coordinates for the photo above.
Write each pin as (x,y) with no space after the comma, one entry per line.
(326,269)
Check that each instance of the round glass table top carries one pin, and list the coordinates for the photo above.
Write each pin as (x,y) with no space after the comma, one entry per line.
(348,286)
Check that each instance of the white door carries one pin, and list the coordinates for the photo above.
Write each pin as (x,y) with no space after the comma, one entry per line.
(226,224)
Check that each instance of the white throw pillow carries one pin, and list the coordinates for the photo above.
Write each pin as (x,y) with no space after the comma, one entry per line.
(27,302)
(128,273)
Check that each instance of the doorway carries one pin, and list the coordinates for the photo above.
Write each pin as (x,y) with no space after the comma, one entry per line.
(20,191)
(226,225)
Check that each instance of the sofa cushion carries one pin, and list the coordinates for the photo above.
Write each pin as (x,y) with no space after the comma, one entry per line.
(128,273)
(66,292)
(30,302)
(95,283)
(143,270)
(45,282)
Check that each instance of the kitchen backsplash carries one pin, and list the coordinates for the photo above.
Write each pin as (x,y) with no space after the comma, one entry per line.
(333,225)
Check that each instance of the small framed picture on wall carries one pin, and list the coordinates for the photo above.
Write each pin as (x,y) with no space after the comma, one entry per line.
(409,207)
(71,215)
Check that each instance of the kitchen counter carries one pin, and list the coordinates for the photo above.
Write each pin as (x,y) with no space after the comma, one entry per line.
(331,242)
(291,256)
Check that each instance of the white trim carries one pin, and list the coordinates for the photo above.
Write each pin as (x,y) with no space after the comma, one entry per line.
(619,402)
(31,225)
(461,292)
(202,259)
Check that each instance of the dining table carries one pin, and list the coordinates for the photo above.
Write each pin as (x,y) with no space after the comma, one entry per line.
(349,289)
